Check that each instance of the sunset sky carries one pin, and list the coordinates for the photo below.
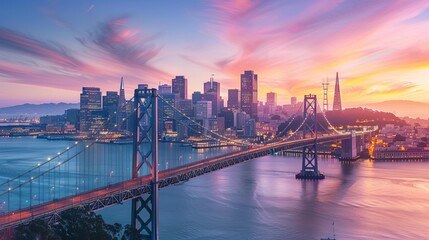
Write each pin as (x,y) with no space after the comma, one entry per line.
(50,49)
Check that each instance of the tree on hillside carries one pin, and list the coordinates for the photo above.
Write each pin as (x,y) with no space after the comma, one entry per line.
(76,223)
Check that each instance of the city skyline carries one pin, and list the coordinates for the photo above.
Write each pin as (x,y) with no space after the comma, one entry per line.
(61,47)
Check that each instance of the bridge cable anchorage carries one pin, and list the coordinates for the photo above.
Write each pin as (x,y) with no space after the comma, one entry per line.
(199,125)
(30,180)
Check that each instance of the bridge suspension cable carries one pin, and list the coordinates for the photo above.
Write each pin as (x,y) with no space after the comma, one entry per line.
(59,164)
(195,129)
(69,148)
(296,131)
(329,123)
(290,122)
(199,125)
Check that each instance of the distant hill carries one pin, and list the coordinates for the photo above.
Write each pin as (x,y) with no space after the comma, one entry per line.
(402,108)
(36,110)
(347,117)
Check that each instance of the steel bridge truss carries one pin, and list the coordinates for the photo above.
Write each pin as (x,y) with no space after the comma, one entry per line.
(310,169)
(144,209)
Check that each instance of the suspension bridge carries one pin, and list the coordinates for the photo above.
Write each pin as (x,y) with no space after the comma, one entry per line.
(78,176)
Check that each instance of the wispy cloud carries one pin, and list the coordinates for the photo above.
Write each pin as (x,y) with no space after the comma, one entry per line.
(352,37)
(50,52)
(110,51)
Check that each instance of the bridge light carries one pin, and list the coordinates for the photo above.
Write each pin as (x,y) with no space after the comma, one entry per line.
(58,153)
(87,146)
(68,148)
(75,142)
(38,164)
(49,159)
(9,189)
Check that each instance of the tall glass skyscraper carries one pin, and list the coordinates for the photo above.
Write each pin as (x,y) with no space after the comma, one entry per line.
(90,105)
(249,93)
(180,87)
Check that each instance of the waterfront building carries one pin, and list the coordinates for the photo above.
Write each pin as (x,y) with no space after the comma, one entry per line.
(72,117)
(111,106)
(250,128)
(90,104)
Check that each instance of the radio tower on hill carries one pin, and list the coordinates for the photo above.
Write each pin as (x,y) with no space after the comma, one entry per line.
(337,96)
(325,86)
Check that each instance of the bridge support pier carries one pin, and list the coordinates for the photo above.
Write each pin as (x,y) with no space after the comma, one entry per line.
(310,168)
(144,209)
(349,149)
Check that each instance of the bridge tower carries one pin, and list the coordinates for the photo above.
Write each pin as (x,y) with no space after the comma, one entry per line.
(310,169)
(144,209)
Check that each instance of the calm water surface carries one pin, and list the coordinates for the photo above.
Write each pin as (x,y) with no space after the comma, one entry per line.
(261,199)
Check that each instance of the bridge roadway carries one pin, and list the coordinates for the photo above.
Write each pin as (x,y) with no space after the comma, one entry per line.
(127,190)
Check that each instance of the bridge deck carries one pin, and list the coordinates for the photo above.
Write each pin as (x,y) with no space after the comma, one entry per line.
(127,190)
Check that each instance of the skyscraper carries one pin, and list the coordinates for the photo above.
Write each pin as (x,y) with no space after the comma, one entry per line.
(212,86)
(164,89)
(90,104)
(212,93)
(122,99)
(272,99)
(180,87)
(271,103)
(249,93)
(110,106)
(233,98)
(337,96)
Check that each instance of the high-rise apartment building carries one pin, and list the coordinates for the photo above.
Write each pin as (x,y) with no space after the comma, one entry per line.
(212,93)
(271,103)
(271,99)
(233,98)
(203,110)
(90,104)
(164,89)
(180,87)
(110,107)
(249,93)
